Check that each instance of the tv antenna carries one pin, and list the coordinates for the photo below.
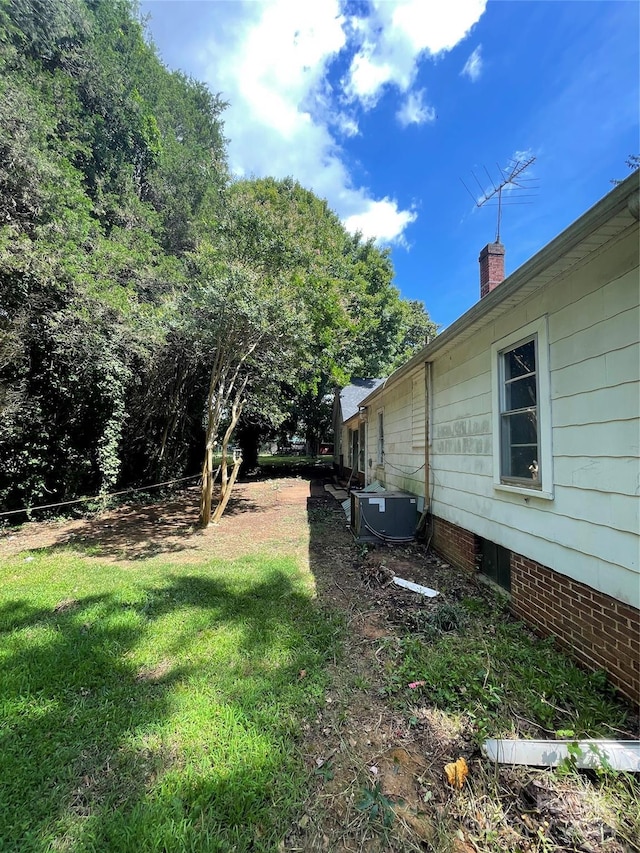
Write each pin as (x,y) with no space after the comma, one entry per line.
(510,178)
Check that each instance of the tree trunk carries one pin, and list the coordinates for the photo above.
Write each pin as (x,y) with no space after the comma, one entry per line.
(227,482)
(206,494)
(222,505)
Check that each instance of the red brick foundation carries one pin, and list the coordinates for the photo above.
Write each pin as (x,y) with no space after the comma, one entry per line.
(597,630)
(456,545)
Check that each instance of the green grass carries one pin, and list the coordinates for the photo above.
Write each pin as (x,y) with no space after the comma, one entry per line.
(295,464)
(154,707)
(474,659)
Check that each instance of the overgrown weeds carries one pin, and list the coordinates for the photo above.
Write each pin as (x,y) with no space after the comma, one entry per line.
(472,658)
(469,663)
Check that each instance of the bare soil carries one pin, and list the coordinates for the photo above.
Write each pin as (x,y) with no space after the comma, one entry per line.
(377,780)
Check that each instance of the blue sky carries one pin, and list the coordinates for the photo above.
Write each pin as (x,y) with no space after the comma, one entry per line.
(383,106)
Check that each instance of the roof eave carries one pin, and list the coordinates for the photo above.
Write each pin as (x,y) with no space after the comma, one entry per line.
(611,205)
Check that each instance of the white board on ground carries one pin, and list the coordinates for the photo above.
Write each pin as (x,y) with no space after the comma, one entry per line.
(623,755)
(415,587)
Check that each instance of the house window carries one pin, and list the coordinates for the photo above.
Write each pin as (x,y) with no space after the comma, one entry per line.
(522,412)
(519,448)
(380,438)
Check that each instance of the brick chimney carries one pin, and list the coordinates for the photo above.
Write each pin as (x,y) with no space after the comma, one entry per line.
(491,267)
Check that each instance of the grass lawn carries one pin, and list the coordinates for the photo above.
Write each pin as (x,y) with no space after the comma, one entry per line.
(154,705)
(166,690)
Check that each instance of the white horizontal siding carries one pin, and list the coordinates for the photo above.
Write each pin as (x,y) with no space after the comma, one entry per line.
(589,531)
(455,394)
(404,463)
(477,405)
(418,422)
(608,510)
(617,403)
(541,528)
(574,561)
(471,464)
(612,439)
(601,337)
(475,364)
(615,475)
(607,370)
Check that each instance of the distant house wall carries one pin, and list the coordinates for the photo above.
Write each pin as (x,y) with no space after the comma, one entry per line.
(404,419)
(347,421)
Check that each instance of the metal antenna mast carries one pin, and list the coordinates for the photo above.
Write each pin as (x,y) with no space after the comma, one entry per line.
(510,178)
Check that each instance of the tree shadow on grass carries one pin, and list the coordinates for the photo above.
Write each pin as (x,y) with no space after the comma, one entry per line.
(100,746)
(138,532)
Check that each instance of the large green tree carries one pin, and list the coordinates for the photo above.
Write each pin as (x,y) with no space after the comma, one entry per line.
(358,323)
(96,222)
(146,301)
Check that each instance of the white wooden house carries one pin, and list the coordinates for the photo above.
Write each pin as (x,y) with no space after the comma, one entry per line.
(530,457)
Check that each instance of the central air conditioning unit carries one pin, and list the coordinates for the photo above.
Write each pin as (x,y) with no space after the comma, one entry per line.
(383,516)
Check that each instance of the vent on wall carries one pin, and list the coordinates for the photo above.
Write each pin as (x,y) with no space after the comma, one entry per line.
(384,517)
(496,563)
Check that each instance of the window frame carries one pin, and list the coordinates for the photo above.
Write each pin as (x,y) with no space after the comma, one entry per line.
(536,331)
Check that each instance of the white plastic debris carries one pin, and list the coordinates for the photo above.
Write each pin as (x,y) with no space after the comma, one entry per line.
(415,587)
(623,755)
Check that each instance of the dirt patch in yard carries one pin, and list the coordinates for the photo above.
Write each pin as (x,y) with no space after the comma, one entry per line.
(272,511)
(376,769)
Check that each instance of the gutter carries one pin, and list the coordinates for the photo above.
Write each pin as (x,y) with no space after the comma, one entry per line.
(619,199)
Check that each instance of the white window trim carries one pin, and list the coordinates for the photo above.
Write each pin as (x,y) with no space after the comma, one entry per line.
(380,448)
(539,329)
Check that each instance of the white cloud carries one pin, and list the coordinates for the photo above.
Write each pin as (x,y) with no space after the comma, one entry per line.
(394,36)
(414,110)
(381,220)
(473,66)
(346,124)
(272,62)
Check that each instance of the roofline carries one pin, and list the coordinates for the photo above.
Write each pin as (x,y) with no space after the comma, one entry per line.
(612,204)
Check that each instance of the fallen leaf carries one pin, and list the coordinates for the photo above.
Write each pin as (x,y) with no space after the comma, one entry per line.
(462,846)
(457,772)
